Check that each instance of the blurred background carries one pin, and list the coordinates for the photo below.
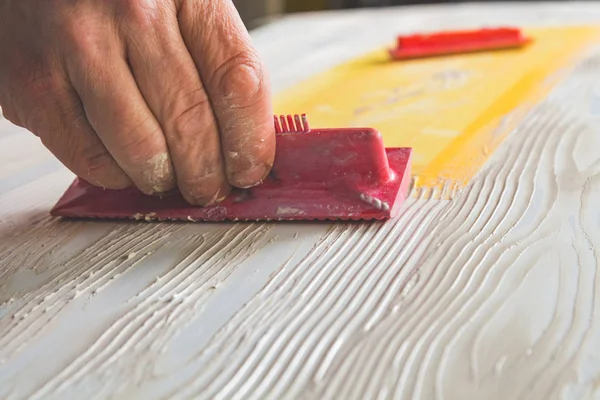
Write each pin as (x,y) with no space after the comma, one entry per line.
(257,12)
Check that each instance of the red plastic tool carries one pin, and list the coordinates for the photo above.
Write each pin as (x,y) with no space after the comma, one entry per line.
(321,174)
(454,42)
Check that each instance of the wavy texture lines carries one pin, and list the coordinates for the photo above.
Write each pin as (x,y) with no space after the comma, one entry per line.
(349,327)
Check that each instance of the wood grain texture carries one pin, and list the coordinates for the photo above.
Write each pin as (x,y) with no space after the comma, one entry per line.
(492,295)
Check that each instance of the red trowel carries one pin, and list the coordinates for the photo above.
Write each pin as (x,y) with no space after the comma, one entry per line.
(457,42)
(318,174)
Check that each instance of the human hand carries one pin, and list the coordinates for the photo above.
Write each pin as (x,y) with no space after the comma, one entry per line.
(153,93)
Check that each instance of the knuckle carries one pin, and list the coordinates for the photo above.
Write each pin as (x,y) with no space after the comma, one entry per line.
(240,80)
(84,35)
(139,142)
(140,13)
(88,38)
(91,53)
(186,112)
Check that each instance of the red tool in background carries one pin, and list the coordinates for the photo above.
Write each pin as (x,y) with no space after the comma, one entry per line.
(321,174)
(455,42)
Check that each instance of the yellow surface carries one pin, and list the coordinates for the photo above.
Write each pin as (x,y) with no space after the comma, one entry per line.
(454,111)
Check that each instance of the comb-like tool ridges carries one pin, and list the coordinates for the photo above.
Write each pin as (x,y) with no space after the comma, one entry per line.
(289,124)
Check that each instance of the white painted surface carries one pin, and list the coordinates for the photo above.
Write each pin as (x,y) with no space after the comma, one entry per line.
(493,295)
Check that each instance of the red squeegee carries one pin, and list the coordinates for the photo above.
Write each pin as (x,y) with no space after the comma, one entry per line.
(454,42)
(318,174)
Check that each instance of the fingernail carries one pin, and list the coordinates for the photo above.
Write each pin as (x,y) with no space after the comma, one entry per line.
(250,177)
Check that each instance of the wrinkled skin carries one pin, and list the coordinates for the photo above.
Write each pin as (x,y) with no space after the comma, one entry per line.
(160,94)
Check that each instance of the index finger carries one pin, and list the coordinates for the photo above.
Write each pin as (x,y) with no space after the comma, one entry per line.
(237,85)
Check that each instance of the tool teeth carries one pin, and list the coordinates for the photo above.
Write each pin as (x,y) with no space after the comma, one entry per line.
(291,124)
